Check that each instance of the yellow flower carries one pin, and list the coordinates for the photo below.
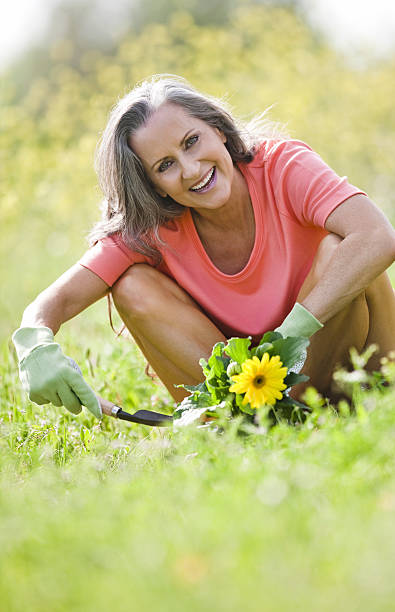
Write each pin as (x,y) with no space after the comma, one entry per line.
(261,380)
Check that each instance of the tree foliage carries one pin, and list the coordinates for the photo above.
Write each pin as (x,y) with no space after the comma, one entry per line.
(263,55)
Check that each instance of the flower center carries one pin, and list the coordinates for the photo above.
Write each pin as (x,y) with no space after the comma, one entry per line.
(259,381)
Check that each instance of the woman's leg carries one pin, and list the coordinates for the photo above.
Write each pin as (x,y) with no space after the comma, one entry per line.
(330,346)
(380,298)
(173,333)
(368,319)
(167,325)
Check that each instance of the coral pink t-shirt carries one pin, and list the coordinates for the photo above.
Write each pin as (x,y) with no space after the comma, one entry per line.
(292,192)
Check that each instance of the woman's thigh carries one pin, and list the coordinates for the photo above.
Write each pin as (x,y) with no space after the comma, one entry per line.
(330,347)
(368,319)
(168,326)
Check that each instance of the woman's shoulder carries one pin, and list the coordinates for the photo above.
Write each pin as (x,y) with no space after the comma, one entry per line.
(272,149)
(115,246)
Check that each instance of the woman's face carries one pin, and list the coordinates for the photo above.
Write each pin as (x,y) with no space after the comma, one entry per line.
(185,158)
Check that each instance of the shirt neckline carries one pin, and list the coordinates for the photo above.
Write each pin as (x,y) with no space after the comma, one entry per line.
(257,211)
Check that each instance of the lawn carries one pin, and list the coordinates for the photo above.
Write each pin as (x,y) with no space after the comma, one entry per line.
(115,515)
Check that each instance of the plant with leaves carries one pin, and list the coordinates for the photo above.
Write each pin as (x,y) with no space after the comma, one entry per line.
(248,381)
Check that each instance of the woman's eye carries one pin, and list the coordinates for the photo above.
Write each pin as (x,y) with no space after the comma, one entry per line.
(191,141)
(164,165)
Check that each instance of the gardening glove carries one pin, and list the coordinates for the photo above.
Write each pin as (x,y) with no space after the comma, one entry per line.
(299,322)
(47,375)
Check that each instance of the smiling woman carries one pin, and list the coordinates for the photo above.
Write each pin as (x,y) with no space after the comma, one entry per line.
(194,167)
(156,116)
(208,232)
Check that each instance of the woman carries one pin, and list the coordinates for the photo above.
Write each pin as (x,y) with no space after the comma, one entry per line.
(208,235)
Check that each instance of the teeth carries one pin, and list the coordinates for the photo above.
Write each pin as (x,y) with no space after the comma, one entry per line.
(204,182)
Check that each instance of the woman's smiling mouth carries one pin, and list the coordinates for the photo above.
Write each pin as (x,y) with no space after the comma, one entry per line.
(206,182)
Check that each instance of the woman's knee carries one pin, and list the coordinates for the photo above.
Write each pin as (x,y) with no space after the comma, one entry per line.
(134,292)
(142,290)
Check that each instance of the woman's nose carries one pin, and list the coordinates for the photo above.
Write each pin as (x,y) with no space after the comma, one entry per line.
(190,168)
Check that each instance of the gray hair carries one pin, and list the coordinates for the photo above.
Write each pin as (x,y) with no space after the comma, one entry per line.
(131,206)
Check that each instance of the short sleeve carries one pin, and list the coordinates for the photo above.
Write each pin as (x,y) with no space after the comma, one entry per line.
(305,187)
(109,258)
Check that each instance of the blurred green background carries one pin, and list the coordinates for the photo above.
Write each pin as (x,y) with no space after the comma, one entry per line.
(56,96)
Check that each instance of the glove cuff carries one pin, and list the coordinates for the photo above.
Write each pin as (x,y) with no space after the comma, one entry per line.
(27,338)
(299,322)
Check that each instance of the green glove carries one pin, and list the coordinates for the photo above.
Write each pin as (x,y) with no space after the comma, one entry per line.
(299,322)
(47,374)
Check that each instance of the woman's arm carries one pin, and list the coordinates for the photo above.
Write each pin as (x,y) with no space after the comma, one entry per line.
(69,295)
(47,375)
(367,249)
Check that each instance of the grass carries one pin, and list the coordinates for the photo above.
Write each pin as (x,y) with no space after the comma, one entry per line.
(113,515)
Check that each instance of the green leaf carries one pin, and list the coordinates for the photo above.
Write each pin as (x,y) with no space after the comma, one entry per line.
(217,350)
(294,379)
(290,350)
(204,365)
(237,349)
(270,336)
(217,361)
(195,400)
(218,366)
(246,408)
(201,387)
(291,409)
(265,347)
(215,373)
(290,401)
(202,400)
(233,369)
(218,390)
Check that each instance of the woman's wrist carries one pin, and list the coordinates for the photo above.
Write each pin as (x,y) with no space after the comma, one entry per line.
(299,322)
(25,338)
